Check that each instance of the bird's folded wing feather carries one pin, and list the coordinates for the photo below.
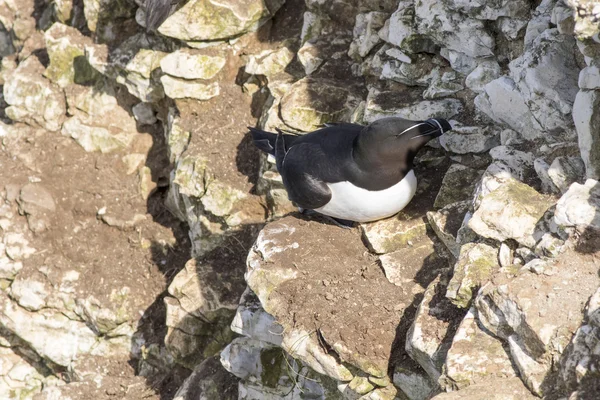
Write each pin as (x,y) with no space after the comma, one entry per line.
(301,171)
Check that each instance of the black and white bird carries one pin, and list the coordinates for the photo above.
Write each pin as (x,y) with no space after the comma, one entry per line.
(351,172)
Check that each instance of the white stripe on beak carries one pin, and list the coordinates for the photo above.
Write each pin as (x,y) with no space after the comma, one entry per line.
(412,127)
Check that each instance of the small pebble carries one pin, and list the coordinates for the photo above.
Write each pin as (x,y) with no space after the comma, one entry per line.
(328,296)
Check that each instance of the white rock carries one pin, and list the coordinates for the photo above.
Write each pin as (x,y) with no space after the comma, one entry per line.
(191,65)
(589,78)
(366,33)
(512,211)
(481,9)
(518,163)
(269,62)
(177,88)
(586,114)
(485,72)
(579,206)
(470,139)
(29,293)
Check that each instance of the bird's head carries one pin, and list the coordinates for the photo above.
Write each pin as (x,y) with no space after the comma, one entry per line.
(390,140)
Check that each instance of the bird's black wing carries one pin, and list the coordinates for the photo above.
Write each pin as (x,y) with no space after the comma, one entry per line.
(299,170)
(157,11)
(265,141)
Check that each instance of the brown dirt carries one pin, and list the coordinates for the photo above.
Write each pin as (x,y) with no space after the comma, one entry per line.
(347,298)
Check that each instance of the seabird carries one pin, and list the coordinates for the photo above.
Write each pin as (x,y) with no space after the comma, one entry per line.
(351,172)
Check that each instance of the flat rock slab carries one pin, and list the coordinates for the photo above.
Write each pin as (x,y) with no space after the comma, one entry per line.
(491,389)
(537,314)
(313,276)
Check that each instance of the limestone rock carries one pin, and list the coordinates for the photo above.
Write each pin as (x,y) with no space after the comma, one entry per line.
(365,32)
(176,88)
(459,184)
(589,78)
(476,264)
(447,222)
(578,207)
(88,125)
(312,102)
(475,355)
(413,380)
(586,18)
(502,101)
(480,9)
(565,170)
(587,122)
(485,72)
(578,364)
(394,104)
(470,139)
(419,71)
(191,65)
(66,49)
(201,20)
(439,23)
(430,335)
(537,314)
(510,212)
(491,389)
(394,233)
(144,113)
(32,98)
(269,62)
(547,85)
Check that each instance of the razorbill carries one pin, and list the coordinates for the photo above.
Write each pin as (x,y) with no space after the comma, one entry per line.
(351,172)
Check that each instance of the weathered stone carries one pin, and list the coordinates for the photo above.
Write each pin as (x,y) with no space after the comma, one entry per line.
(459,184)
(476,264)
(200,20)
(395,233)
(470,139)
(365,33)
(512,211)
(191,65)
(419,71)
(434,20)
(176,88)
(538,324)
(413,380)
(209,380)
(430,335)
(394,104)
(447,222)
(144,113)
(269,62)
(312,102)
(66,44)
(546,76)
(442,86)
(586,115)
(32,98)
(485,72)
(491,389)
(586,18)
(475,355)
(578,207)
(480,9)
(502,101)
(589,78)
(565,170)
(518,163)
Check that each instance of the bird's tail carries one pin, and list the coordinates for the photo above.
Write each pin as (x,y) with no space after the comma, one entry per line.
(266,141)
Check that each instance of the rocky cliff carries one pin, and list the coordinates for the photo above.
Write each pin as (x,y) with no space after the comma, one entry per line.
(147,249)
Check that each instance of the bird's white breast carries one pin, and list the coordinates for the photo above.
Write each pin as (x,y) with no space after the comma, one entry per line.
(358,204)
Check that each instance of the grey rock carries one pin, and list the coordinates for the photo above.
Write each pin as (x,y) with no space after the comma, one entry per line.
(470,139)
(458,184)
(589,78)
(144,113)
(481,9)
(468,360)
(491,389)
(447,222)
(565,170)
(486,71)
(587,121)
(366,33)
(476,264)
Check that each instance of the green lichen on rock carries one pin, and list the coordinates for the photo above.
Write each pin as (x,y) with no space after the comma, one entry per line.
(65,45)
(388,235)
(191,65)
(273,366)
(475,266)
(201,20)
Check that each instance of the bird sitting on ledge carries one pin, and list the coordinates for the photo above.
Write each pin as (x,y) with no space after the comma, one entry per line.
(349,172)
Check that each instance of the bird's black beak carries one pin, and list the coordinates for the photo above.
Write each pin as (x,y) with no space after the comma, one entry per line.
(440,125)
